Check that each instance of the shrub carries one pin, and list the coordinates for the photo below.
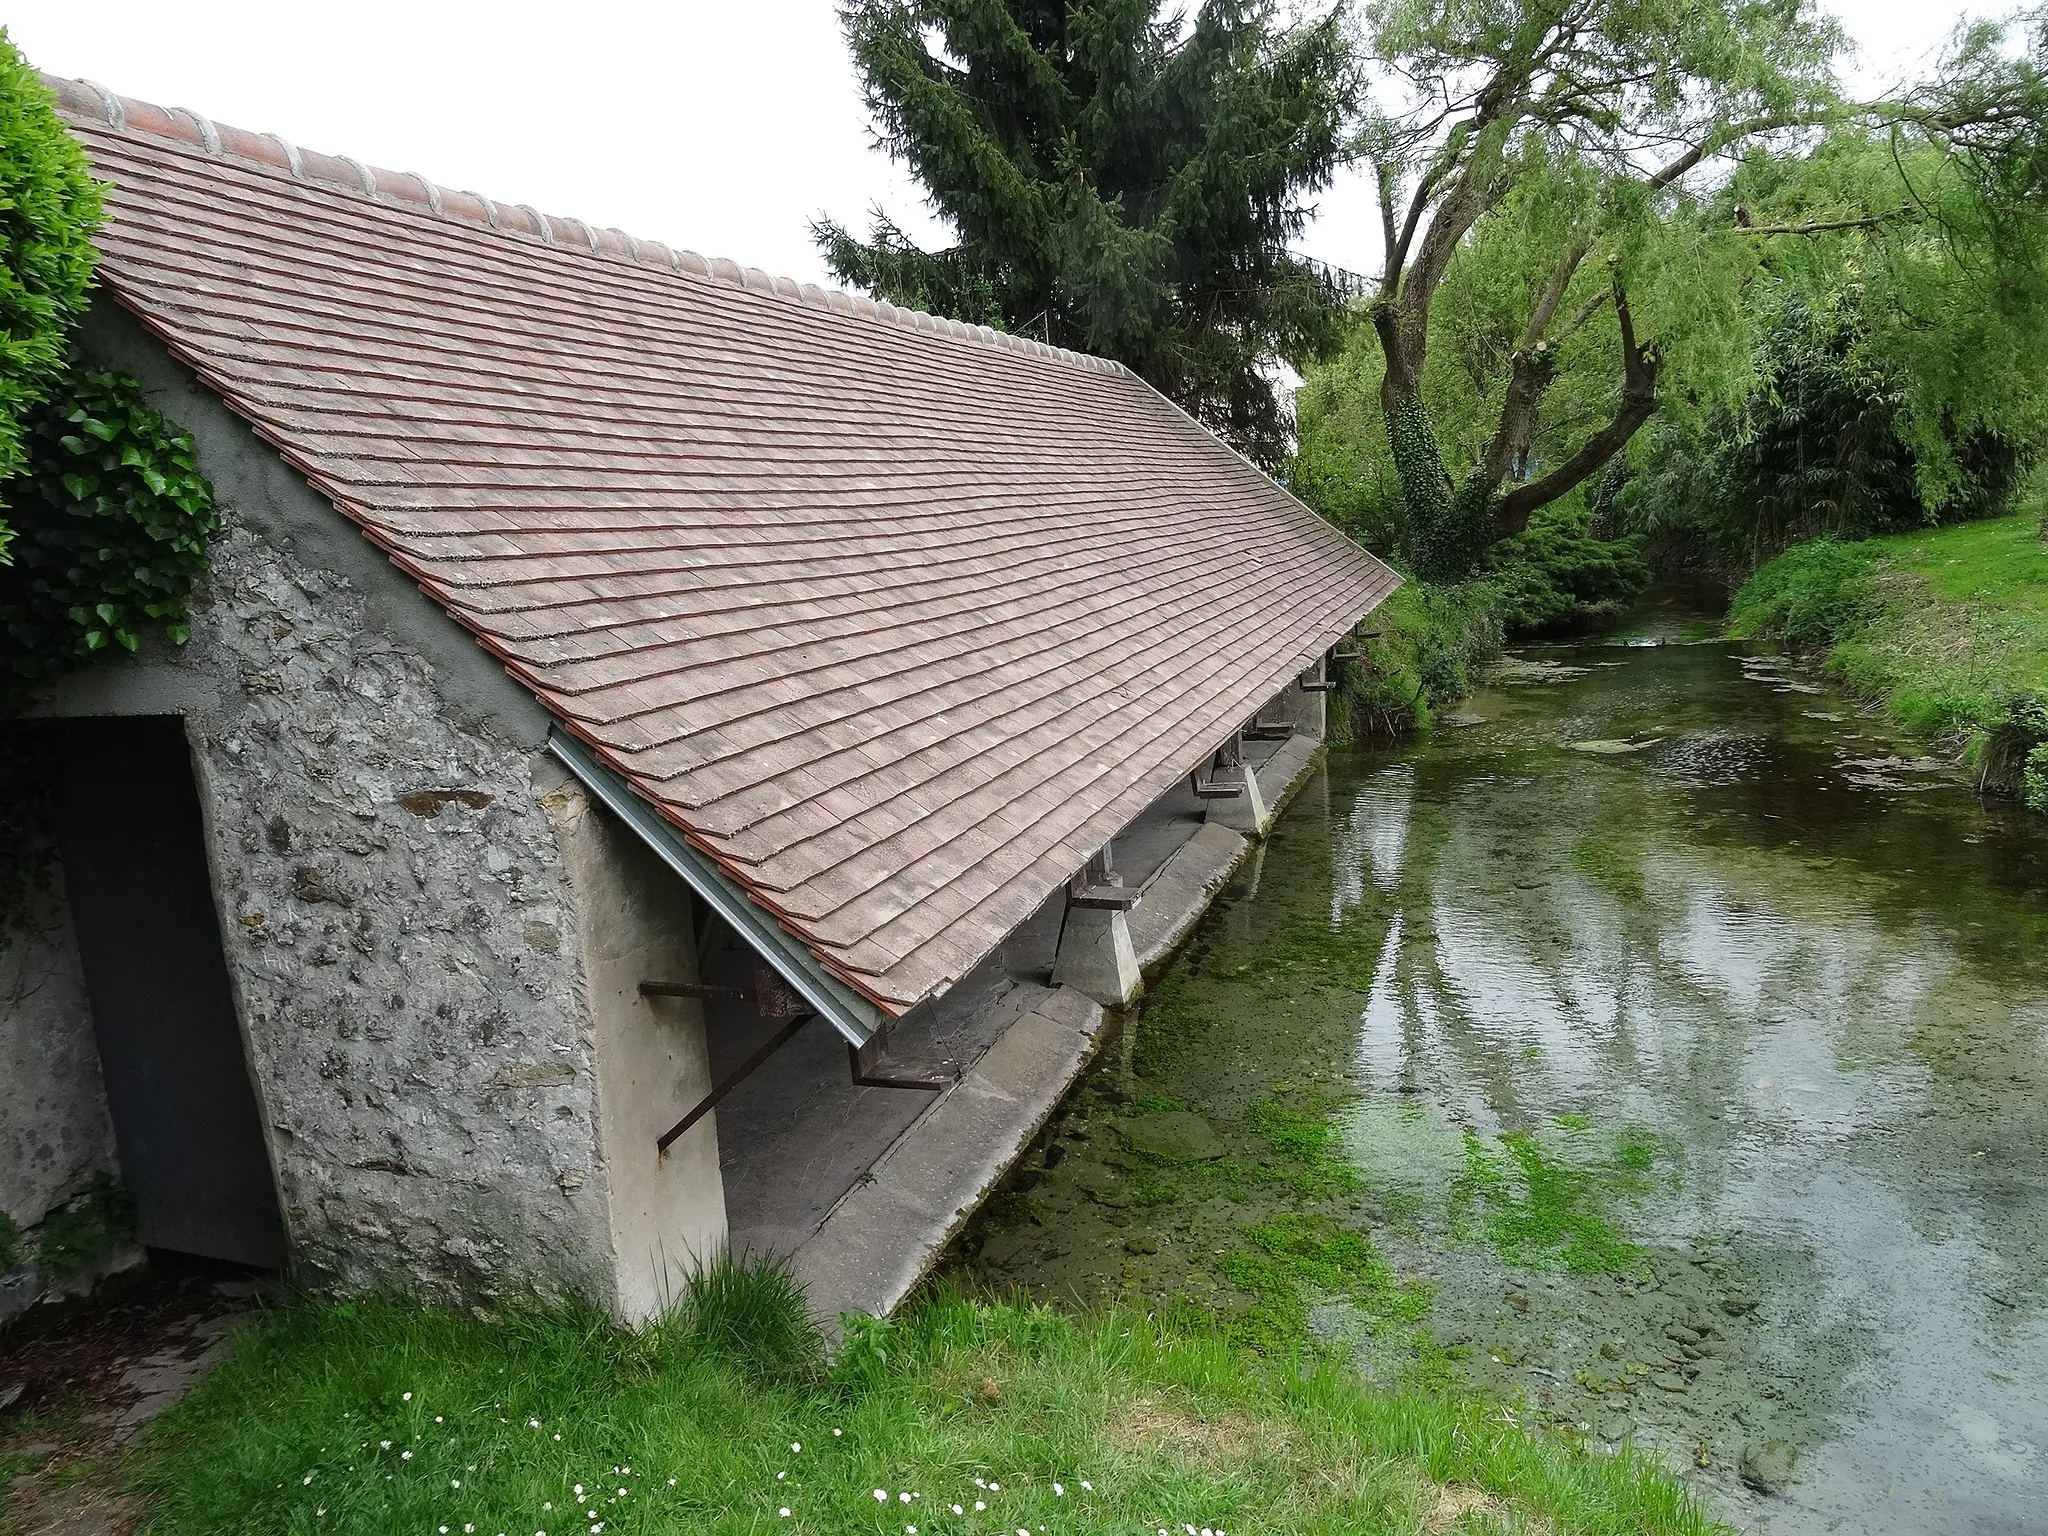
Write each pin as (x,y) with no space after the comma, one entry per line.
(2035,782)
(1419,653)
(1816,594)
(1556,573)
(49,209)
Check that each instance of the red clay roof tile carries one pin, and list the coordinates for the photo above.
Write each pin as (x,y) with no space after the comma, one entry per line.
(898,619)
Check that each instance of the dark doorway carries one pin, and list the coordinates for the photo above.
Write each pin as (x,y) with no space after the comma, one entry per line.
(184,1111)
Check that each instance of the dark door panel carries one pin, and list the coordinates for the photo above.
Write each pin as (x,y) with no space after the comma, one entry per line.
(185,1118)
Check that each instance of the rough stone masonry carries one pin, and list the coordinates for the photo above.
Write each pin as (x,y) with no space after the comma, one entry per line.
(434,940)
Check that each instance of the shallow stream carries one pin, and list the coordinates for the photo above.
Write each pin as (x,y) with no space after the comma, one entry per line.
(1662,1046)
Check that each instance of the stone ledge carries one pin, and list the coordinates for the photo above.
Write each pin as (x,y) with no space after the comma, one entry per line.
(1181,892)
(1283,774)
(886,1232)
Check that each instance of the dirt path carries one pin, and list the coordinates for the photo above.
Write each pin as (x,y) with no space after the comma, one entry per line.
(80,1380)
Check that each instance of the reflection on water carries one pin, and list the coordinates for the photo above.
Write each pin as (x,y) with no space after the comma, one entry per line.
(1703,1082)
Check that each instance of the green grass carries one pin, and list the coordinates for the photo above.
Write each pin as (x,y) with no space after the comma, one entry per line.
(381,1417)
(1946,629)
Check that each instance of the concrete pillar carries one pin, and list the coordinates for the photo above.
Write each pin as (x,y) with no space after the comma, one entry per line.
(634,924)
(1096,957)
(1244,812)
(1293,705)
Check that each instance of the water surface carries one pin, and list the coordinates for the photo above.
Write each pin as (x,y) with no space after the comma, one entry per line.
(1661,1048)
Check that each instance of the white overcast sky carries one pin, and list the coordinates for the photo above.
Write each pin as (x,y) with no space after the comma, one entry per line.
(718,126)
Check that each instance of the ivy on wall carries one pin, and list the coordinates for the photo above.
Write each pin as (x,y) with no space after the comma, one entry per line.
(104,516)
(111,522)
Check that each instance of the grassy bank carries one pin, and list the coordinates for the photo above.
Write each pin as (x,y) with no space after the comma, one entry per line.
(960,1417)
(1415,658)
(1946,629)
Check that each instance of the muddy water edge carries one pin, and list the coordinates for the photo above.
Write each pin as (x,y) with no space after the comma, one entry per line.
(1658,1048)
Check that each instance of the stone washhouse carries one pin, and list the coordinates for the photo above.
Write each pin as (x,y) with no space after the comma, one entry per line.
(666,757)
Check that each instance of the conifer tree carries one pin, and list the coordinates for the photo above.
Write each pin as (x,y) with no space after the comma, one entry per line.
(1123,181)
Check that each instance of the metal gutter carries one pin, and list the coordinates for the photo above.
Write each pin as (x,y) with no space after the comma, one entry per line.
(851,1014)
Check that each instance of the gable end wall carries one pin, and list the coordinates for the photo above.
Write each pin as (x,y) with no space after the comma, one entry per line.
(400,928)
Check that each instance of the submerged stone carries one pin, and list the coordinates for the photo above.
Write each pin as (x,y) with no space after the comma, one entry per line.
(1174,1134)
(1614,748)
(1767,1465)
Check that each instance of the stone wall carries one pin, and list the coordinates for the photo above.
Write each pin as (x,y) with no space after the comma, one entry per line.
(54,1131)
(404,941)
(400,936)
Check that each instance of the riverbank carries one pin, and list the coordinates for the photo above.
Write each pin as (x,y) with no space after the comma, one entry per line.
(955,1417)
(1643,1050)
(1946,630)
(1417,657)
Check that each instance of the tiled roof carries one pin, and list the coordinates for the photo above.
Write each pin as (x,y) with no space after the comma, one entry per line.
(899,620)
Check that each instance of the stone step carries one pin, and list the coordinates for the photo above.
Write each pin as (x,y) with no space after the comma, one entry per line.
(888,1231)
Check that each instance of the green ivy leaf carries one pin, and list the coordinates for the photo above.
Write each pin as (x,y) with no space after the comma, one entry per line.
(114,551)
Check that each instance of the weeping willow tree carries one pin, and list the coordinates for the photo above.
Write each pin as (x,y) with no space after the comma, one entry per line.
(1901,309)
(1551,147)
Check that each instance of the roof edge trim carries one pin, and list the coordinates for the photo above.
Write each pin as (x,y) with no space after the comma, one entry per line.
(854,1017)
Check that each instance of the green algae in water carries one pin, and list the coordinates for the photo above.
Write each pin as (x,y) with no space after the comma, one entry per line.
(1311,1144)
(1541,1208)
(1829,995)
(1295,1259)
(1613,861)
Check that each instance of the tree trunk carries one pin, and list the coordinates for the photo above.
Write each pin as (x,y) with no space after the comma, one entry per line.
(1638,405)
